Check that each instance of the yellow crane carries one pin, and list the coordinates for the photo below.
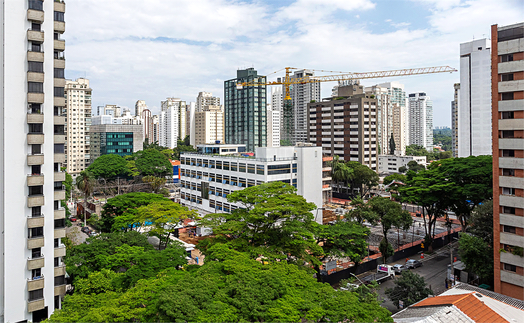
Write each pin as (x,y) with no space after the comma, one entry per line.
(288,81)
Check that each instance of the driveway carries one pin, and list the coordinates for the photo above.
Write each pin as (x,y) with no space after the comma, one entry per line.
(75,235)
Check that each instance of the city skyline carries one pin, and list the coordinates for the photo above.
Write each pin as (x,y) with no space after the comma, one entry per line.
(160,60)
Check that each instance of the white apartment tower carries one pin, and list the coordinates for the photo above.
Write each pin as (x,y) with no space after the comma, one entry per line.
(140,106)
(147,125)
(273,126)
(474,108)
(190,127)
(400,122)
(454,119)
(209,125)
(32,274)
(172,122)
(421,120)
(78,118)
(301,95)
(384,116)
(205,99)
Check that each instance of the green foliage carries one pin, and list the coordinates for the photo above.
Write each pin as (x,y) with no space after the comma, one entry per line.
(123,209)
(108,167)
(97,282)
(386,249)
(152,162)
(481,222)
(285,142)
(410,288)
(68,183)
(131,167)
(477,255)
(403,169)
(518,251)
(343,239)
(156,182)
(230,288)
(85,182)
(361,212)
(276,223)
(442,138)
(394,177)
(414,166)
(94,221)
(182,146)
(417,150)
(363,178)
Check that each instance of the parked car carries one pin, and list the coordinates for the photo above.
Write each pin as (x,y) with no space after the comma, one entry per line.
(72,219)
(412,263)
(85,230)
(399,269)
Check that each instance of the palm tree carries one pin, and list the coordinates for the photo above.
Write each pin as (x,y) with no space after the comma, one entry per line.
(340,172)
(85,182)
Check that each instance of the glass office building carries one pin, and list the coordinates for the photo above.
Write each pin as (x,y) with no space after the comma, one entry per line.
(120,140)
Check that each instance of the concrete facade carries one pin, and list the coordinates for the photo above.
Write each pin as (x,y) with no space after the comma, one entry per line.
(301,96)
(454,119)
(209,125)
(115,139)
(421,120)
(172,122)
(273,126)
(390,163)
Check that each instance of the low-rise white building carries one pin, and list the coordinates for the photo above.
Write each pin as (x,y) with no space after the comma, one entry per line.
(207,179)
(392,163)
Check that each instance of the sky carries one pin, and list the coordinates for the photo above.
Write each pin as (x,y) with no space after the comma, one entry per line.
(149,50)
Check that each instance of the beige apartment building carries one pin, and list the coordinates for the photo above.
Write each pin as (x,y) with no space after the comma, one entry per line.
(78,120)
(209,125)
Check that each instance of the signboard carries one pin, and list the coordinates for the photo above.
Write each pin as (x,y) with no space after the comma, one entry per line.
(383,268)
(330,265)
(400,304)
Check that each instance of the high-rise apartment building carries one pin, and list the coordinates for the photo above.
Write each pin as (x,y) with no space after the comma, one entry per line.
(140,106)
(301,96)
(205,99)
(172,122)
(507,75)
(454,119)
(32,145)
(421,120)
(156,128)
(346,126)
(400,122)
(474,108)
(190,118)
(148,125)
(116,139)
(209,125)
(384,116)
(273,126)
(245,110)
(78,119)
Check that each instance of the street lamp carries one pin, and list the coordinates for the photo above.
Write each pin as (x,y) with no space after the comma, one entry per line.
(357,278)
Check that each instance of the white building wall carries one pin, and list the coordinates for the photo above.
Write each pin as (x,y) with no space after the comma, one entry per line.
(273,127)
(421,120)
(191,116)
(474,108)
(301,95)
(391,164)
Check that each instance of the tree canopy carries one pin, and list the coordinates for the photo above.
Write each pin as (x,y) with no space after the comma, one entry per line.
(477,255)
(152,162)
(109,167)
(409,288)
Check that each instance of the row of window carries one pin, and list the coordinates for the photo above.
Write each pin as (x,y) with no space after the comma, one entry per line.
(234,181)
(239,167)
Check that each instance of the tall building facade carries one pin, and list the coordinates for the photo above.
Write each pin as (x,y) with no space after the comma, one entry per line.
(140,106)
(421,120)
(205,99)
(507,75)
(147,125)
(273,126)
(454,119)
(474,108)
(190,117)
(400,122)
(78,118)
(301,96)
(32,223)
(384,116)
(123,140)
(209,125)
(346,126)
(245,110)
(172,122)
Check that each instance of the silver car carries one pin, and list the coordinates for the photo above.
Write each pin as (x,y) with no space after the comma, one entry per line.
(412,264)
(399,269)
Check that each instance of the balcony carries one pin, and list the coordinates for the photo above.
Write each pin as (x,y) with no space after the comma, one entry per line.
(59,102)
(35,118)
(35,222)
(35,160)
(35,200)
(35,56)
(35,283)
(35,77)
(59,120)
(60,251)
(59,158)
(59,26)
(60,290)
(35,15)
(59,63)
(35,138)
(59,44)
(59,139)
(36,263)
(35,180)
(59,195)
(59,6)
(36,36)
(60,270)
(59,82)
(60,176)
(35,97)
(60,233)
(33,306)
(60,214)
(37,242)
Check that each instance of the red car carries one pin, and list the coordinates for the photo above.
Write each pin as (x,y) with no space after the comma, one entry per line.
(72,219)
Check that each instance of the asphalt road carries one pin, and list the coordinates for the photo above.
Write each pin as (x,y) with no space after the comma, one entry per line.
(434,272)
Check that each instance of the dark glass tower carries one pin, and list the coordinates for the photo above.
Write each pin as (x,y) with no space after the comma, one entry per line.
(245,110)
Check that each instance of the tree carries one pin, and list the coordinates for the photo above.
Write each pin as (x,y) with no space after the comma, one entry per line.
(361,212)
(108,167)
(285,142)
(152,162)
(68,183)
(415,167)
(392,145)
(416,150)
(164,217)
(122,209)
(340,172)
(182,146)
(156,182)
(394,177)
(477,255)
(409,288)
(390,214)
(481,222)
(274,222)
(362,178)
(85,183)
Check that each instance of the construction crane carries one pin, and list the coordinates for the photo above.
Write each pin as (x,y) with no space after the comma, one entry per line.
(288,81)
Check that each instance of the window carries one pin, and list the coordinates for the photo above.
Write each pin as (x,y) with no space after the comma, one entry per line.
(507,115)
(295,167)
(506,77)
(36,190)
(59,280)
(59,149)
(34,87)
(57,261)
(508,153)
(508,210)
(509,267)
(36,273)
(278,169)
(507,134)
(36,232)
(36,294)
(59,16)
(508,172)
(507,96)
(510,229)
(234,167)
(36,128)
(218,164)
(225,165)
(37,67)
(242,168)
(36,253)
(59,73)
(506,58)
(260,169)
(36,211)
(36,4)
(251,168)
(59,92)
(508,190)
(59,224)
(36,47)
